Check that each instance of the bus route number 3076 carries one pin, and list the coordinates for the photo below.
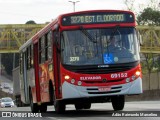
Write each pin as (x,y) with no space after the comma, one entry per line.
(119,75)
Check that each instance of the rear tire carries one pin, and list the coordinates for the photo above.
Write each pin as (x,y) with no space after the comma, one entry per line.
(59,106)
(118,102)
(34,106)
(51,93)
(87,105)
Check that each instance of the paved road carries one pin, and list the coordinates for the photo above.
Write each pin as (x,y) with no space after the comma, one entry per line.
(98,111)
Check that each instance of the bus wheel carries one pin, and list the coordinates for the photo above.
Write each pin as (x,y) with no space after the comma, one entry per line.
(87,106)
(59,106)
(78,106)
(34,106)
(118,102)
(51,93)
(43,108)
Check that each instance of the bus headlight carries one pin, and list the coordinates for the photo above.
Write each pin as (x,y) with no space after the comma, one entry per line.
(138,73)
(66,77)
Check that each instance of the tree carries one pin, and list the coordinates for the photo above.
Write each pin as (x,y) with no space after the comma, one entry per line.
(129,4)
(149,16)
(149,64)
(30,22)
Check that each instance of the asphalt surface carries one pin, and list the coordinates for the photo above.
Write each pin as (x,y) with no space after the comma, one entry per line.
(144,110)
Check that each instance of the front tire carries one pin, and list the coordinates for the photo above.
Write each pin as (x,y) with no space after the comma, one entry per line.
(78,106)
(59,106)
(87,105)
(118,102)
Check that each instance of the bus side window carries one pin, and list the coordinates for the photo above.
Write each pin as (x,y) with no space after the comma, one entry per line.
(39,49)
(20,63)
(49,48)
(46,46)
(42,50)
(27,58)
(31,57)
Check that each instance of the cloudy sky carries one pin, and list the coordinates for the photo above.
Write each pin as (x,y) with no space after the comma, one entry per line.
(41,11)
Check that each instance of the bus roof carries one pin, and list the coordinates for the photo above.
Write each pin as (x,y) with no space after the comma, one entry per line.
(38,34)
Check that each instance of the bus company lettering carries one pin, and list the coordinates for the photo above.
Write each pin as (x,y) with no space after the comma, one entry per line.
(91,78)
(97,18)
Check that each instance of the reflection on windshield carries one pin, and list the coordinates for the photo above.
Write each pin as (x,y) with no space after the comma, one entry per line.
(99,46)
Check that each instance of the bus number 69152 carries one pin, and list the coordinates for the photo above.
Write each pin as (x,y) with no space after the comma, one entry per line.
(119,75)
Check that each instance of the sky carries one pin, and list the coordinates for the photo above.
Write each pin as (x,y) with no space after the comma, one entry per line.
(42,11)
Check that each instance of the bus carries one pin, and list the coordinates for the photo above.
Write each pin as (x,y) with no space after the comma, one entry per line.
(72,61)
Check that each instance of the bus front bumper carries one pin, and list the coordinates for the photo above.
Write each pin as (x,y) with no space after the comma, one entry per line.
(70,91)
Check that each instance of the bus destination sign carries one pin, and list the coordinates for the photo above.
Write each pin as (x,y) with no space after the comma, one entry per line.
(97,18)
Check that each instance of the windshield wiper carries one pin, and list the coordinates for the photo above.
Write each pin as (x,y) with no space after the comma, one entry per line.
(86,33)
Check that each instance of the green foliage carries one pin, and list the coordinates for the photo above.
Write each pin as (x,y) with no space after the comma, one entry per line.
(157,63)
(30,22)
(149,61)
(144,68)
(149,16)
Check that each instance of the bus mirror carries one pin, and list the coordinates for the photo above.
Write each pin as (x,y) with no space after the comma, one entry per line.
(57,41)
(56,27)
(56,34)
(56,38)
(139,37)
(140,40)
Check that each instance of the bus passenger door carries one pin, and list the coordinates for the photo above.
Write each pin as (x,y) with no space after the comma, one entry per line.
(56,62)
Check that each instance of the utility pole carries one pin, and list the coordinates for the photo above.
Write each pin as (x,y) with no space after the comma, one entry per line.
(74,3)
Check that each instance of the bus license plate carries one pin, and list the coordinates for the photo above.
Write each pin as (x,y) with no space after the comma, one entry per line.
(104,89)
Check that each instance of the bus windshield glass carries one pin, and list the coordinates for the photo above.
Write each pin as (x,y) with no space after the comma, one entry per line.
(99,46)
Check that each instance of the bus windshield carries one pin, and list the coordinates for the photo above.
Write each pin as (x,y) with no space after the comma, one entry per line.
(99,46)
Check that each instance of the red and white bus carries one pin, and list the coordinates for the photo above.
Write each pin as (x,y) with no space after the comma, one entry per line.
(73,61)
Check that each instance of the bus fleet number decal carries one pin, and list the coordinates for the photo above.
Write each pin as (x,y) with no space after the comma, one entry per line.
(119,75)
(73,59)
